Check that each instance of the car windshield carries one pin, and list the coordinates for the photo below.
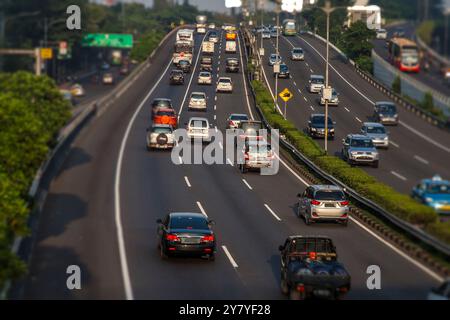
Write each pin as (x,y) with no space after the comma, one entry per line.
(197,96)
(317,80)
(206,60)
(187,222)
(165,113)
(332,195)
(232,61)
(239,117)
(162,130)
(225,80)
(258,148)
(177,73)
(198,124)
(297,51)
(305,246)
(283,68)
(251,128)
(438,188)
(161,103)
(362,143)
(205,74)
(387,108)
(377,129)
(321,120)
(184,62)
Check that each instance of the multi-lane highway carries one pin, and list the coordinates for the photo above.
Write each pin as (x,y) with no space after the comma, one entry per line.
(417,149)
(102,207)
(433,78)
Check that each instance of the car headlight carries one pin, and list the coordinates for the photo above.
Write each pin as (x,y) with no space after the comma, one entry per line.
(385,138)
(428,199)
(313,129)
(331,130)
(353,153)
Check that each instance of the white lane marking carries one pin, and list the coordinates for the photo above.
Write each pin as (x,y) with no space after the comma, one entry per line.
(230,257)
(307,64)
(418,158)
(215,128)
(398,175)
(312,108)
(346,109)
(229,161)
(246,183)
(299,91)
(199,205)
(215,98)
(271,211)
(358,119)
(420,134)
(304,98)
(399,252)
(394,144)
(215,107)
(311,70)
(218,62)
(220,145)
(295,83)
(190,81)
(187,181)
(215,117)
(245,83)
(117,209)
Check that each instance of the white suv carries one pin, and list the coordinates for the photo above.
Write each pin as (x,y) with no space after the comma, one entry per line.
(224,84)
(204,77)
(198,128)
(316,83)
(197,101)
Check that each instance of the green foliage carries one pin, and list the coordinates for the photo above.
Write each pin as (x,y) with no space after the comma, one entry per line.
(397,203)
(146,45)
(365,63)
(356,41)
(427,102)
(397,85)
(397,9)
(32,111)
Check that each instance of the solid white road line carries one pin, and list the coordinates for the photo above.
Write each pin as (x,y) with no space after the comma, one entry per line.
(187,181)
(304,98)
(346,109)
(245,83)
(117,208)
(418,158)
(230,257)
(271,211)
(199,205)
(312,108)
(299,91)
(398,175)
(190,81)
(246,183)
(295,83)
(358,119)
(420,134)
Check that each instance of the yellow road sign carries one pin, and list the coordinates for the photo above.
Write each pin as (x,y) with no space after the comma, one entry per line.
(46,53)
(286,95)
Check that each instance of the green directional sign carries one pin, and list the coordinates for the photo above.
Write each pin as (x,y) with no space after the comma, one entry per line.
(108,40)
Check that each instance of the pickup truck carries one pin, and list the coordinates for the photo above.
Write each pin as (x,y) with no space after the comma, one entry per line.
(309,268)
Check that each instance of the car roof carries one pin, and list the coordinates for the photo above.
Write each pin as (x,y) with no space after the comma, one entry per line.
(319,115)
(317,76)
(250,121)
(357,136)
(187,214)
(160,125)
(297,48)
(435,179)
(239,114)
(198,119)
(373,124)
(165,109)
(326,186)
(224,78)
(162,99)
(292,237)
(198,92)
(384,102)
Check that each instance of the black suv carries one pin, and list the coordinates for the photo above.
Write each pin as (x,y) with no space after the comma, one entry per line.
(184,65)
(176,77)
(206,63)
(316,126)
(232,65)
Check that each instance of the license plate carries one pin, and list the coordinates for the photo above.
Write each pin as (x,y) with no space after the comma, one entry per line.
(321,292)
(445,208)
(329,205)
(190,240)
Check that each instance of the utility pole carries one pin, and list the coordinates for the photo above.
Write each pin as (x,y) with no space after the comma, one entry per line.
(277,52)
(446,13)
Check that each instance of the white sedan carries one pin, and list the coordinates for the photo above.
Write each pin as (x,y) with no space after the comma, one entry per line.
(204,77)
(224,84)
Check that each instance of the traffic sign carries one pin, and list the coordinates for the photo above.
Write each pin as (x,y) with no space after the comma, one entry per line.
(286,95)
(46,53)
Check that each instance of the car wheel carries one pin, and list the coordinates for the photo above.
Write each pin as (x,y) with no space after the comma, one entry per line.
(295,295)
(307,220)
(212,257)
(243,169)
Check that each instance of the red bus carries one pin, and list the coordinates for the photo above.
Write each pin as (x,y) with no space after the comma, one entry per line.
(404,54)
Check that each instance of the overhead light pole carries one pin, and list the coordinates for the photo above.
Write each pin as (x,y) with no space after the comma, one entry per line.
(277,52)
(446,14)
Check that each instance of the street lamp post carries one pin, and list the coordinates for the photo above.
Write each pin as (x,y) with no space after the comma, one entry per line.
(446,13)
(277,52)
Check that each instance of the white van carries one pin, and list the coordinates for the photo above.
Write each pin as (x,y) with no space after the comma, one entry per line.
(230,47)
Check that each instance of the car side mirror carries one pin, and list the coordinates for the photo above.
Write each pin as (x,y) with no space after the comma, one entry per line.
(299,195)
(211,222)
(280,248)
(159,221)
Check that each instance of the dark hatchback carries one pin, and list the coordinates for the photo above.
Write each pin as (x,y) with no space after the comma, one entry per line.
(176,77)
(184,65)
(206,64)
(232,65)
(186,233)
(316,126)
(284,71)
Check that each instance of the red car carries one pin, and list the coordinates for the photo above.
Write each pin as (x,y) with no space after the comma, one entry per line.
(164,115)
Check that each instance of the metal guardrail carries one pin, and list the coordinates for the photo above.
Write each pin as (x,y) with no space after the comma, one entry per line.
(95,108)
(410,229)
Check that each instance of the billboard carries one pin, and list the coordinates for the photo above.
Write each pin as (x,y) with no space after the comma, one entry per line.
(108,40)
(233,3)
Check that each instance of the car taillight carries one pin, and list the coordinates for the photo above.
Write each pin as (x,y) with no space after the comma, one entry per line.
(315,202)
(209,238)
(246,156)
(344,203)
(312,255)
(172,237)
(231,123)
